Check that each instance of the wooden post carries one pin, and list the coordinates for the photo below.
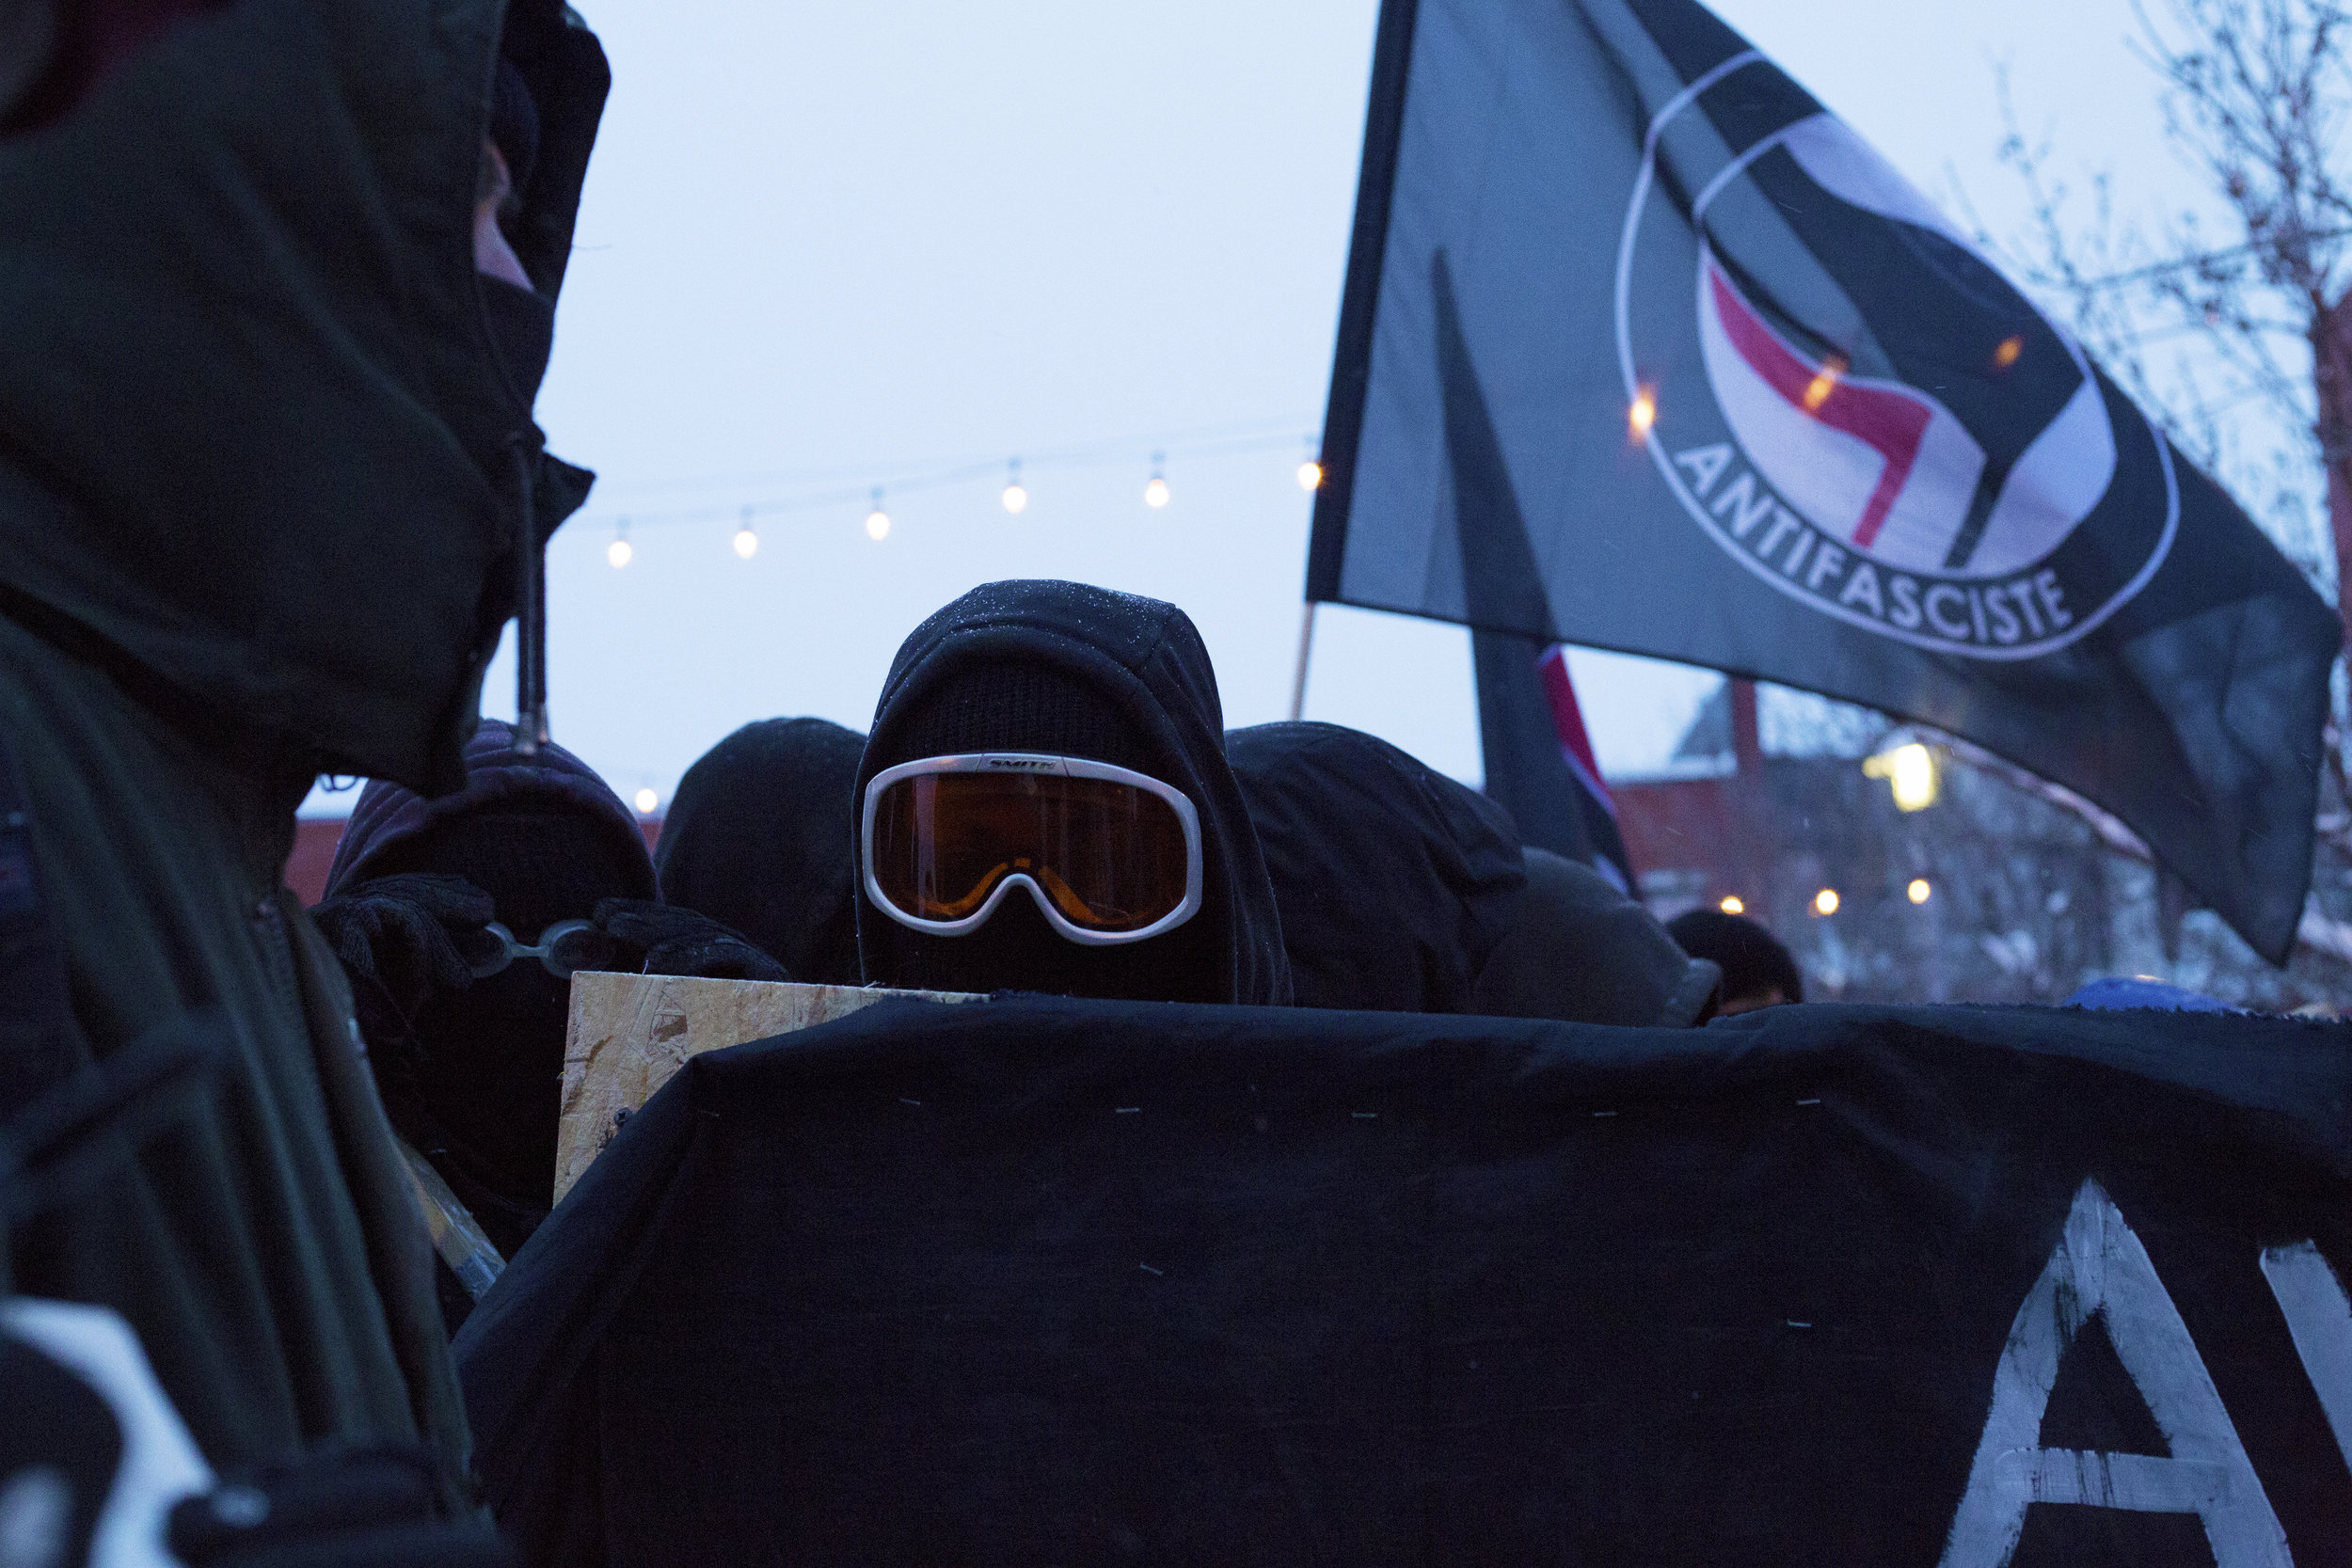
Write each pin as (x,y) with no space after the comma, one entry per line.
(1306,646)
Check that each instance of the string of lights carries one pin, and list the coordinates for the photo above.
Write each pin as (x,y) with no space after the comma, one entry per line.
(886,480)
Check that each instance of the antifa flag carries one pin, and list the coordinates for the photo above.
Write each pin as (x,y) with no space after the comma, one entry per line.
(1644,350)
(1042,1280)
(1539,760)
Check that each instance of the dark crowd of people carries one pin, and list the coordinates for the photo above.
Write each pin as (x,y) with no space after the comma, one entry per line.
(278,284)
(1048,802)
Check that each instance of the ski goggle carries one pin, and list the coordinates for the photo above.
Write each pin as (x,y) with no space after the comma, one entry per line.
(565,948)
(1108,854)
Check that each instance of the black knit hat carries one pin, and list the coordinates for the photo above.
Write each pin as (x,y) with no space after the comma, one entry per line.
(1021,706)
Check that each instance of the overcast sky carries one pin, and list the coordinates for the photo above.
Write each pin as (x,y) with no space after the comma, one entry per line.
(826,245)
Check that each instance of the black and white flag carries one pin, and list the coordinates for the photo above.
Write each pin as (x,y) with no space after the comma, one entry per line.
(1643,349)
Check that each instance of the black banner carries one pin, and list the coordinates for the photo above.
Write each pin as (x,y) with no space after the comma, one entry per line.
(1047,1281)
(1642,349)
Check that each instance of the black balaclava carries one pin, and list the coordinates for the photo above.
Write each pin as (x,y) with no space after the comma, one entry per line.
(522,321)
(1012,706)
(488,1081)
(476,1088)
(757,838)
(1071,670)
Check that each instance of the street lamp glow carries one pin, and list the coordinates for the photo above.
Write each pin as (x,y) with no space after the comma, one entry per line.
(619,553)
(1825,902)
(746,542)
(1732,905)
(1310,475)
(1015,498)
(1643,415)
(1910,771)
(646,800)
(1919,892)
(878,525)
(1155,493)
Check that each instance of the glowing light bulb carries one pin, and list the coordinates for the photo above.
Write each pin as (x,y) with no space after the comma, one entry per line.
(1732,905)
(1825,902)
(1918,892)
(2006,355)
(619,553)
(746,542)
(1016,497)
(1310,475)
(646,800)
(1155,493)
(1643,415)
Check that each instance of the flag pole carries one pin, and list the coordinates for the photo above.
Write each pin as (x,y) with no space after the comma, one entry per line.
(1306,647)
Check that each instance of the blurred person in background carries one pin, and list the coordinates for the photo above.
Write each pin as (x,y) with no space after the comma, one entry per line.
(758,835)
(460,921)
(1759,972)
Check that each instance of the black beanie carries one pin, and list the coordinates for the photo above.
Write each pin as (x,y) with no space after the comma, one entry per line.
(1021,705)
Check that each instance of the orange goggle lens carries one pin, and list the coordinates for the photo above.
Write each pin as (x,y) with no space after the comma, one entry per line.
(1111,857)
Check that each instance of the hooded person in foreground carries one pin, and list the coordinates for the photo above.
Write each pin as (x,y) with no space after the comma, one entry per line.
(279,290)
(1044,805)
(460,921)
(758,836)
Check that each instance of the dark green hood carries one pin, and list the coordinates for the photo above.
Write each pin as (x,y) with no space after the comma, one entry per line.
(256,444)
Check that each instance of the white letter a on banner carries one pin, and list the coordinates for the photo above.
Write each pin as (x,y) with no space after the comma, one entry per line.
(2100,1266)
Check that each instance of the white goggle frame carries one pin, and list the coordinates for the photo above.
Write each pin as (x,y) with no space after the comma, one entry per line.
(1033,762)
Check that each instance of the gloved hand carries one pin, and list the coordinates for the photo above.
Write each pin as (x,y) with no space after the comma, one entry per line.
(411,935)
(679,941)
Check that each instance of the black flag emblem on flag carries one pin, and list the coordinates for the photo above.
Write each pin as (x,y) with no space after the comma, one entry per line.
(1643,349)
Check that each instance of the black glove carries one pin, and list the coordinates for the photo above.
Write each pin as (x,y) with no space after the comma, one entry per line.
(411,935)
(679,941)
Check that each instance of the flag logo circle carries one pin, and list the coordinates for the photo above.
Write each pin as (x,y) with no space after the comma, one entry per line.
(1858,407)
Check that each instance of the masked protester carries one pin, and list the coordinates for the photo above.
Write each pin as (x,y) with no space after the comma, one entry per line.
(1044,805)
(1404,891)
(1394,883)
(460,921)
(758,835)
(277,288)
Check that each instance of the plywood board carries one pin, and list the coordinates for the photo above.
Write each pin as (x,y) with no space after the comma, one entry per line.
(629,1032)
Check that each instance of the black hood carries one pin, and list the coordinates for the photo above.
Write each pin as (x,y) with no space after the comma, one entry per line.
(551,782)
(1395,883)
(257,444)
(1145,664)
(757,838)
(471,1078)
(1579,950)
